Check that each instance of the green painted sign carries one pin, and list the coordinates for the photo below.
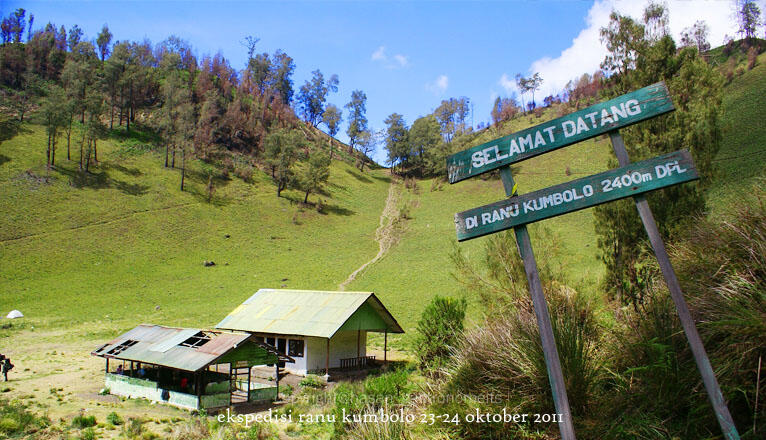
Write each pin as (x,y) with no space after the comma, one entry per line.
(598,119)
(627,181)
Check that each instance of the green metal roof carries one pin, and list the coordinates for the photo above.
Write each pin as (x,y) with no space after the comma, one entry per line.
(310,313)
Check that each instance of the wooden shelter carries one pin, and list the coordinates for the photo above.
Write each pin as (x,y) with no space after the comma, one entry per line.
(319,330)
(186,367)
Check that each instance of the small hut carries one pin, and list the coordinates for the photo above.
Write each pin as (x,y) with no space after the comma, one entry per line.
(190,368)
(320,330)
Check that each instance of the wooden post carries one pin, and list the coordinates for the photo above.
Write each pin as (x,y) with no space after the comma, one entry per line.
(385,347)
(358,341)
(327,360)
(249,369)
(107,365)
(698,350)
(277,377)
(552,362)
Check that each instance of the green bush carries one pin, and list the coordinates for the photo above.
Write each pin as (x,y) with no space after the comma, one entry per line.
(15,419)
(439,330)
(721,265)
(287,390)
(312,381)
(388,388)
(114,419)
(82,421)
(134,428)
(88,434)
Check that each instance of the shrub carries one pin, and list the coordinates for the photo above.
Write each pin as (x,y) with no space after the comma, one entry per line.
(752,57)
(193,429)
(244,172)
(388,388)
(134,428)
(312,381)
(439,329)
(731,66)
(721,266)
(383,430)
(88,434)
(114,419)
(82,421)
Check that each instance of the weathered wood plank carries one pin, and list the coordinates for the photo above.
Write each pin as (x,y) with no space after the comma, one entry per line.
(601,118)
(728,428)
(626,181)
(550,353)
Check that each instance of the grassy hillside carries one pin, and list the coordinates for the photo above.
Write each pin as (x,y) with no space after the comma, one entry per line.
(420,265)
(126,246)
(742,157)
(129,247)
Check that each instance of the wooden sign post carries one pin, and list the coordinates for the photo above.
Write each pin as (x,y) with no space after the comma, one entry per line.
(630,180)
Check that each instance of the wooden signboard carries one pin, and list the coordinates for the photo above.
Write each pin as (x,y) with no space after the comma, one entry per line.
(598,119)
(636,178)
(630,180)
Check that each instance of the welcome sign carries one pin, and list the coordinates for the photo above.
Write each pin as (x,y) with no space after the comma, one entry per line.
(598,119)
(636,178)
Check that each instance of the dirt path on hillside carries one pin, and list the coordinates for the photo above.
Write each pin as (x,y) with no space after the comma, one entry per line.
(387,234)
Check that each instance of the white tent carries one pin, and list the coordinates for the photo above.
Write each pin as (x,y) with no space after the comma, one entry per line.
(14,314)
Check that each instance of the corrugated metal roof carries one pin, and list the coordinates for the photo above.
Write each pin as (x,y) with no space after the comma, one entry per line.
(159,345)
(303,312)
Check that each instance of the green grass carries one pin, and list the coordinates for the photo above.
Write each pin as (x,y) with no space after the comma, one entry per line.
(126,246)
(116,249)
(742,156)
(420,265)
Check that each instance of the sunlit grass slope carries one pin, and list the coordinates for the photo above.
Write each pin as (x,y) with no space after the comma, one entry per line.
(129,246)
(742,157)
(420,266)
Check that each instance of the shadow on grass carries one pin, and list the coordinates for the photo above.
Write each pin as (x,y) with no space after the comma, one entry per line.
(202,197)
(337,210)
(101,180)
(4,159)
(138,132)
(358,176)
(135,172)
(326,208)
(386,179)
(9,128)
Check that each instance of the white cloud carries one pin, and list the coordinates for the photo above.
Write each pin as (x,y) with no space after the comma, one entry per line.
(586,52)
(379,54)
(439,85)
(509,84)
(389,62)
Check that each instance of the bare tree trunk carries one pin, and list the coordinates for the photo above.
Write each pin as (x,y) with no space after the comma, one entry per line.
(183,167)
(68,138)
(87,162)
(48,154)
(95,150)
(82,142)
(130,106)
(173,158)
(166,155)
(53,152)
(111,111)
(306,199)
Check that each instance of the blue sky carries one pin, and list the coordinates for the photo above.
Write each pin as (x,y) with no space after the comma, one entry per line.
(406,56)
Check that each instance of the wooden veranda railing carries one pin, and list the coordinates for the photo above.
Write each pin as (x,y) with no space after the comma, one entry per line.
(357,362)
